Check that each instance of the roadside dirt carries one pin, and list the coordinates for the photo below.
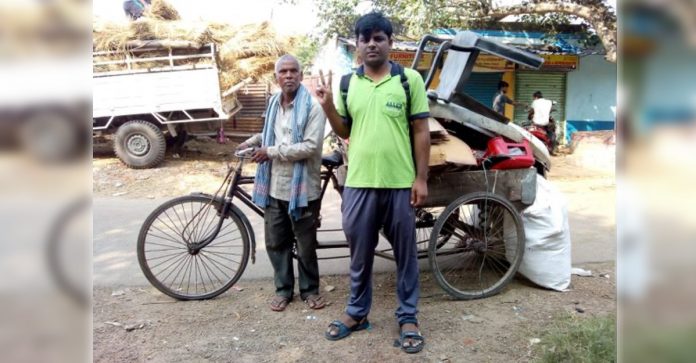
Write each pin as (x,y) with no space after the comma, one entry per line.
(239,327)
(200,167)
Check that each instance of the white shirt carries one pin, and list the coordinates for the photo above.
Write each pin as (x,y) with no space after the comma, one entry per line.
(542,111)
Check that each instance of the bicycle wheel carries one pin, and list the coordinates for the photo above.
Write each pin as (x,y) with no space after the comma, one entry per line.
(170,266)
(484,248)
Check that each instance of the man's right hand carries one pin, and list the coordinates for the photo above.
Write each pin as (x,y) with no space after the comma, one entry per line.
(260,155)
(324,95)
(323,91)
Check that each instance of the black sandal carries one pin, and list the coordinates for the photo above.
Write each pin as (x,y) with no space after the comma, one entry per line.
(344,330)
(415,337)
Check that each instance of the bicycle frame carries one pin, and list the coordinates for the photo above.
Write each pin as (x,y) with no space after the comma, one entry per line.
(234,191)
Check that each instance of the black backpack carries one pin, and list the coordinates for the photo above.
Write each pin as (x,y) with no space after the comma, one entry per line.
(345,82)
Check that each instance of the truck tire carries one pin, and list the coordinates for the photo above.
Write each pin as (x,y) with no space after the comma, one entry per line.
(140,144)
(51,136)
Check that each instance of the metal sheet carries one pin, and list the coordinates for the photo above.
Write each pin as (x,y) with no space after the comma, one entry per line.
(516,185)
(144,93)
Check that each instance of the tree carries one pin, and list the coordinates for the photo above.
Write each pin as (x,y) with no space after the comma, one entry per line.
(596,13)
(414,18)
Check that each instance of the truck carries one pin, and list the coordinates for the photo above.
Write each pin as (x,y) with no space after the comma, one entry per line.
(154,94)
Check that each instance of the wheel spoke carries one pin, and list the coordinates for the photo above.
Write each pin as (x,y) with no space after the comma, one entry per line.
(163,245)
(166,234)
(222,257)
(215,264)
(161,263)
(176,231)
(178,269)
(209,271)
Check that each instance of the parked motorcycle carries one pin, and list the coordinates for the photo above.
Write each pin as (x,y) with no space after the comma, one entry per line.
(547,134)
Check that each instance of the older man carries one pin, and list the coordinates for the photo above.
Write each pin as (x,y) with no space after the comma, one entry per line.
(288,183)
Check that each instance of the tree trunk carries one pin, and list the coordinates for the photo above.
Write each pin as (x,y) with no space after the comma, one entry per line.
(599,17)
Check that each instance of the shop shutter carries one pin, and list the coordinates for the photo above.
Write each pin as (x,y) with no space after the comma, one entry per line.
(483,86)
(551,84)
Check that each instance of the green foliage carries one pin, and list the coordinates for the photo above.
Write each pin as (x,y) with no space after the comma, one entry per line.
(411,18)
(306,50)
(576,339)
(337,16)
(414,18)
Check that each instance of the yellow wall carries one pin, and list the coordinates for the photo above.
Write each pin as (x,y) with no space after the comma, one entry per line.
(436,79)
(509,77)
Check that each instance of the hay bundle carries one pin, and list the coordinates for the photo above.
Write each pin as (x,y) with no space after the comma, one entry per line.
(110,36)
(267,46)
(257,67)
(246,52)
(251,41)
(160,9)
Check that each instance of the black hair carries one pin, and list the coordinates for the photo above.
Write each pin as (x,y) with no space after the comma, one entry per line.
(502,84)
(372,22)
(537,94)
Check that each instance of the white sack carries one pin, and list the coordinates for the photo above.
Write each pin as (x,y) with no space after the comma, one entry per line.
(546,260)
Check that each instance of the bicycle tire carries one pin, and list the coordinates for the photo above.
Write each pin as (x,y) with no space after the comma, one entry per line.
(160,229)
(495,250)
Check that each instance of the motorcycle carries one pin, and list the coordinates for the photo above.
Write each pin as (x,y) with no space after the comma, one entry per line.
(546,134)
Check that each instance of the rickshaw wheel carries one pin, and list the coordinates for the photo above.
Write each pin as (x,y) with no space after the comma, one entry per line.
(483,249)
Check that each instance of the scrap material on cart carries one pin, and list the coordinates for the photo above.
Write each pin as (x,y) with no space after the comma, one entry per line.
(447,149)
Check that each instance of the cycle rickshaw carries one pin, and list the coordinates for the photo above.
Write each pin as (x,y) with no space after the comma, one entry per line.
(470,230)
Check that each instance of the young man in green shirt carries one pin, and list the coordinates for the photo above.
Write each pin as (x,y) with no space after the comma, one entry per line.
(383,185)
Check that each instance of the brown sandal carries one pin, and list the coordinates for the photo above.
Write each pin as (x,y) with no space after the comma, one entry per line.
(279,303)
(315,302)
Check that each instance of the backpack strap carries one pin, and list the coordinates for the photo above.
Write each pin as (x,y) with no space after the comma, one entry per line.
(343,88)
(407,89)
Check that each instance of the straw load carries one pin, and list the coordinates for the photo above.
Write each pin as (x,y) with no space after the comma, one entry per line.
(161,10)
(244,54)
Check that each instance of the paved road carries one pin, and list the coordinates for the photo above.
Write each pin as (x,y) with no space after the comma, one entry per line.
(117,222)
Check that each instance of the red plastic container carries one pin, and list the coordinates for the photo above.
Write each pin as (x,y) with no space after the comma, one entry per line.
(521,155)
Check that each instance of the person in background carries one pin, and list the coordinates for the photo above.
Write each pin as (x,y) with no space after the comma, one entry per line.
(134,9)
(501,98)
(541,117)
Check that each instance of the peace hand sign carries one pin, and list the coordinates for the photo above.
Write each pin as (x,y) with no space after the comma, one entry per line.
(323,90)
